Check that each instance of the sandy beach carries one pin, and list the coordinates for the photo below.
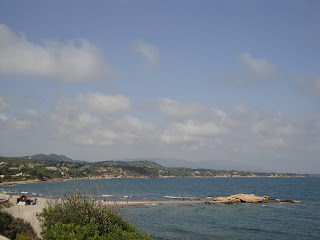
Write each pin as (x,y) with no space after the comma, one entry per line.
(27,213)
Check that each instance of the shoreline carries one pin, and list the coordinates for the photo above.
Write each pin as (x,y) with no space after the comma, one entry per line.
(19,182)
(96,178)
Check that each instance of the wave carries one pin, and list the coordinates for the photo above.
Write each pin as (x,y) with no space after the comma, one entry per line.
(153,204)
(177,197)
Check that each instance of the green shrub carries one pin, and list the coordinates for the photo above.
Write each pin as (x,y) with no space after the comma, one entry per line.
(78,216)
(15,228)
(72,231)
(24,237)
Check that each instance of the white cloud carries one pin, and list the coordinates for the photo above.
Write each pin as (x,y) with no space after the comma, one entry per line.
(83,126)
(81,121)
(131,123)
(9,120)
(105,104)
(240,108)
(275,130)
(3,105)
(200,133)
(221,117)
(256,69)
(274,142)
(148,51)
(19,124)
(308,84)
(30,113)
(192,132)
(241,129)
(192,125)
(3,117)
(74,61)
(194,128)
(172,108)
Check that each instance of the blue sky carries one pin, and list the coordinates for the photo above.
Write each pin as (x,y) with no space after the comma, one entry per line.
(233,81)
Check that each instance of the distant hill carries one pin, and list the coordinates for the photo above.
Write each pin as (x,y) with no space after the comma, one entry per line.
(176,163)
(51,157)
(165,162)
(138,163)
(159,163)
(153,162)
(52,166)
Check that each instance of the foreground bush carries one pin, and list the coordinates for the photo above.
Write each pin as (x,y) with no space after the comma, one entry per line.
(77,217)
(15,228)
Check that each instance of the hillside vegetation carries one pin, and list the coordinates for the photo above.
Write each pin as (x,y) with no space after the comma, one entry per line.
(46,167)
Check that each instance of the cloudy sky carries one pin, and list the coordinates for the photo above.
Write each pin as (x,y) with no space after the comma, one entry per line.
(233,81)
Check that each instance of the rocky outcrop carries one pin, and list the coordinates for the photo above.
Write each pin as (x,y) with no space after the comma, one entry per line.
(242,198)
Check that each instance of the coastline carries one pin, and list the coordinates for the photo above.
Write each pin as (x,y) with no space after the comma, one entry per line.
(94,178)
(18,182)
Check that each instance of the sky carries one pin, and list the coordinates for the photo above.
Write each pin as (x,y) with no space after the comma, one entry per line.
(216,81)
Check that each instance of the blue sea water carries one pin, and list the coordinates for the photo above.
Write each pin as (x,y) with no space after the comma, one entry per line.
(300,220)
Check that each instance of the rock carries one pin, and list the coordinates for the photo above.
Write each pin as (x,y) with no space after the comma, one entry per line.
(248,198)
(287,201)
(242,198)
(219,199)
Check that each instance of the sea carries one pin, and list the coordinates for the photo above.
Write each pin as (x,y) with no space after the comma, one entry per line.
(299,220)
